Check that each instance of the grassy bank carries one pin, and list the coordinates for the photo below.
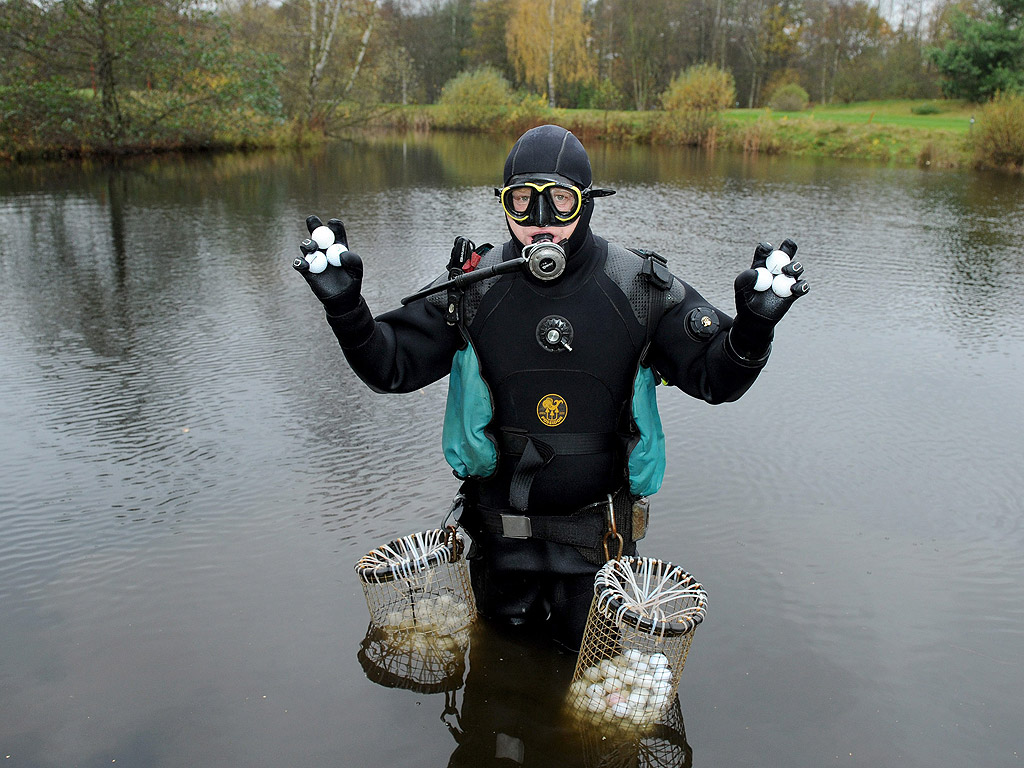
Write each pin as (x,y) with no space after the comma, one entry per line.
(933,133)
(944,134)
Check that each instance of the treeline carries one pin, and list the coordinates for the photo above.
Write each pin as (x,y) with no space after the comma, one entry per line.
(125,75)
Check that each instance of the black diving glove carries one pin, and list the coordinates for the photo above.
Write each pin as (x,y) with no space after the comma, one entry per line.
(335,274)
(764,293)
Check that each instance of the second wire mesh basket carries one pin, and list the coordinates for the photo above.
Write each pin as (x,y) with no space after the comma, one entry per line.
(638,634)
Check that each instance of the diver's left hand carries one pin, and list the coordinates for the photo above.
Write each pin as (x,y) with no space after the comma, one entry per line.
(764,293)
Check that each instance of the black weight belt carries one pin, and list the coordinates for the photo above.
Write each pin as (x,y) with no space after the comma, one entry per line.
(583,528)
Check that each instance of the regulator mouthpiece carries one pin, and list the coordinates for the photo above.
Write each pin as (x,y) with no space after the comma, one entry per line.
(544,258)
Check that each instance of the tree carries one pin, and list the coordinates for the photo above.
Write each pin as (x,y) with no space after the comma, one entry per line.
(985,56)
(151,63)
(322,17)
(547,43)
(767,36)
(436,34)
(487,41)
(837,35)
(641,46)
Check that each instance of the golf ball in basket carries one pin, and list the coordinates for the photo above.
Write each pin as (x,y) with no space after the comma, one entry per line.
(764,279)
(317,262)
(659,660)
(323,236)
(774,263)
(782,285)
(334,254)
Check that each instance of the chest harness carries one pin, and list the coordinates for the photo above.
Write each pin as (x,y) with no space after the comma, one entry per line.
(472,450)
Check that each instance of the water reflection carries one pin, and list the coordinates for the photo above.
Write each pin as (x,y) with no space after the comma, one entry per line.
(513,709)
(189,468)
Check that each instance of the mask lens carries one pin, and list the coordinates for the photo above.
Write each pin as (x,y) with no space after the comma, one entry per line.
(519,199)
(564,200)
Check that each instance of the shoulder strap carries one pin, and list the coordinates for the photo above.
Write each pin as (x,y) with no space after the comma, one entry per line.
(465,258)
(659,280)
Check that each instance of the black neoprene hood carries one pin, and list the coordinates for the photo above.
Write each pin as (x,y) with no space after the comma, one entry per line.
(549,149)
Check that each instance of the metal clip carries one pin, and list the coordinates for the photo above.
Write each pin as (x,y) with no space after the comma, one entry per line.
(516,527)
(458,503)
(612,533)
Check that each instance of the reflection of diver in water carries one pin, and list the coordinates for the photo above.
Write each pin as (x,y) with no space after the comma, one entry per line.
(513,708)
(514,713)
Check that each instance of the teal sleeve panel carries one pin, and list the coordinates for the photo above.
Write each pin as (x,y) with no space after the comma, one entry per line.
(647,459)
(467,448)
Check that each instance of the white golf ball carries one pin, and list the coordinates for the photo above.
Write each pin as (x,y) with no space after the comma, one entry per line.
(317,262)
(637,699)
(633,656)
(774,263)
(764,279)
(659,660)
(662,675)
(596,704)
(334,252)
(782,285)
(323,236)
(621,709)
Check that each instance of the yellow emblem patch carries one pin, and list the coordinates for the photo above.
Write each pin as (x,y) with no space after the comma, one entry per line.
(552,410)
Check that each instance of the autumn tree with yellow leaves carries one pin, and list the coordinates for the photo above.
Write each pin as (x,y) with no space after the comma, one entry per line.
(547,43)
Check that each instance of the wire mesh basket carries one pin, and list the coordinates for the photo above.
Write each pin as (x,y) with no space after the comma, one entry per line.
(638,634)
(432,664)
(418,586)
(421,604)
(660,745)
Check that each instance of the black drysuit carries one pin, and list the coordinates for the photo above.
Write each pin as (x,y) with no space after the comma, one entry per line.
(606,301)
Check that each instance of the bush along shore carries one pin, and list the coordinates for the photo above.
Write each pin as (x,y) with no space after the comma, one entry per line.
(937,134)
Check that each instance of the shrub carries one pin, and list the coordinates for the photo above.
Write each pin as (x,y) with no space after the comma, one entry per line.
(47,117)
(598,94)
(762,135)
(999,134)
(700,88)
(925,109)
(692,103)
(475,98)
(789,98)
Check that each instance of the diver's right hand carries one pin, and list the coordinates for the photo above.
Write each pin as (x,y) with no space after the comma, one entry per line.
(337,286)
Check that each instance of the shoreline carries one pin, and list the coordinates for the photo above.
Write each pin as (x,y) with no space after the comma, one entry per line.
(937,136)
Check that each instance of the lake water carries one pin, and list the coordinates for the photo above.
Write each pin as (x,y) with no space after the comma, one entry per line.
(189,471)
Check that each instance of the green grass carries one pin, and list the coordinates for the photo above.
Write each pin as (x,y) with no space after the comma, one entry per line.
(880,131)
(952,115)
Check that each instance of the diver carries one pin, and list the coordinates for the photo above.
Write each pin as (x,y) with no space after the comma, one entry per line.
(554,342)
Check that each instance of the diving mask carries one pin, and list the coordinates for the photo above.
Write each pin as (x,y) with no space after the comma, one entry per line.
(539,203)
(545,201)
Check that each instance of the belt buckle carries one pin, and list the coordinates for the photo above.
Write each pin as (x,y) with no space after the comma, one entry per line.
(516,527)
(641,517)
